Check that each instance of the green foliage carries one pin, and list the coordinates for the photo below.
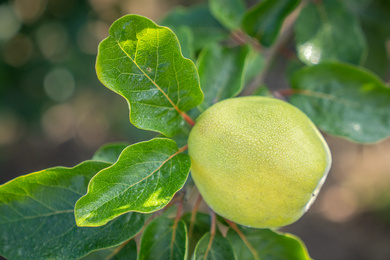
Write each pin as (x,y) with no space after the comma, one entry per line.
(70,213)
(144,179)
(344,100)
(147,57)
(164,238)
(264,20)
(266,245)
(222,72)
(37,216)
(206,29)
(213,248)
(109,152)
(229,13)
(328,31)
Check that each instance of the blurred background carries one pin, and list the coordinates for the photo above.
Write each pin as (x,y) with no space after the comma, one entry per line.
(54,111)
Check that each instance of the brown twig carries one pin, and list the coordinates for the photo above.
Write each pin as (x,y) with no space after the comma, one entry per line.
(212,232)
(244,239)
(193,215)
(271,53)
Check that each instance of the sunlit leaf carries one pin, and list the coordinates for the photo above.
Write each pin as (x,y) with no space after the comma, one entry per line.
(218,248)
(142,62)
(109,152)
(221,72)
(164,238)
(344,100)
(266,245)
(326,30)
(228,12)
(205,27)
(144,179)
(37,216)
(264,20)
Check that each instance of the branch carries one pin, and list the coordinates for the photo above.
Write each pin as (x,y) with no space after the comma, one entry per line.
(271,53)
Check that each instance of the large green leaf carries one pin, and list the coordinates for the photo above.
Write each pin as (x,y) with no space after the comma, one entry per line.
(164,238)
(344,100)
(325,31)
(109,152)
(264,20)
(144,179)
(268,245)
(228,12)
(217,249)
(142,62)
(127,252)
(221,72)
(37,216)
(205,27)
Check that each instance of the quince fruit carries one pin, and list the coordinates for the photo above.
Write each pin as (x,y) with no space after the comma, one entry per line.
(258,161)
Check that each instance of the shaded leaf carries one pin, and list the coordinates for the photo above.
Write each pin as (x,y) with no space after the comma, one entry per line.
(200,227)
(221,72)
(109,152)
(377,56)
(186,39)
(344,100)
(205,27)
(268,245)
(228,12)
(263,91)
(163,239)
(37,216)
(264,20)
(325,31)
(144,179)
(220,249)
(128,252)
(142,62)
(254,65)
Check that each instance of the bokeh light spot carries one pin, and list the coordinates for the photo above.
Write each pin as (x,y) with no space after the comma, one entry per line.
(59,84)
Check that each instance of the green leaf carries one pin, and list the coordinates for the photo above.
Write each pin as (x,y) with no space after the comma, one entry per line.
(128,252)
(205,27)
(222,72)
(142,62)
(268,245)
(264,20)
(186,39)
(144,179)
(164,238)
(263,91)
(200,227)
(326,31)
(377,56)
(37,216)
(254,65)
(228,12)
(344,100)
(220,249)
(109,152)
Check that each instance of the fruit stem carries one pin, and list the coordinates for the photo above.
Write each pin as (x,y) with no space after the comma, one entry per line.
(244,239)
(187,118)
(212,232)
(193,215)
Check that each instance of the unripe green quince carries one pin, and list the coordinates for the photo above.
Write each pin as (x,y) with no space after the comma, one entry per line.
(258,161)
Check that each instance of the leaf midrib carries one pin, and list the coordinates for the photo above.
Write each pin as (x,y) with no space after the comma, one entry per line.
(147,76)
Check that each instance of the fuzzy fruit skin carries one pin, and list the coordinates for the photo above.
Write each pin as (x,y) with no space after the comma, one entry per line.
(258,161)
